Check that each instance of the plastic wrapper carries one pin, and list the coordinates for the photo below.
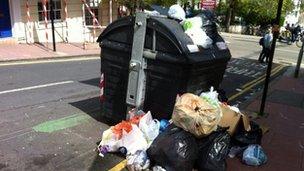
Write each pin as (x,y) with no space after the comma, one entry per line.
(254,156)
(196,115)
(135,115)
(212,97)
(120,127)
(174,149)
(163,125)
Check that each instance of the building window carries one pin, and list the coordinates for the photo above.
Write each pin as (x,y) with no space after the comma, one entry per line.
(94,4)
(57,10)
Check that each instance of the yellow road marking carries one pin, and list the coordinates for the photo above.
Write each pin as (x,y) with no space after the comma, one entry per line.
(252,85)
(55,60)
(261,77)
(119,166)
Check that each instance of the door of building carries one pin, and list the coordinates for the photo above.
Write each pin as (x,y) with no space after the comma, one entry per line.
(5,20)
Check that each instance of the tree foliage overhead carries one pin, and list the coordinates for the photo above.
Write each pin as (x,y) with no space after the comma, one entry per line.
(133,3)
(255,12)
(261,11)
(166,3)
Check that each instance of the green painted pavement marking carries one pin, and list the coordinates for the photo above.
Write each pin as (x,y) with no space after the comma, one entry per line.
(59,124)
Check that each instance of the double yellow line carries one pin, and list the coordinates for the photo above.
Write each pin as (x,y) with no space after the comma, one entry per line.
(255,82)
(245,88)
(121,165)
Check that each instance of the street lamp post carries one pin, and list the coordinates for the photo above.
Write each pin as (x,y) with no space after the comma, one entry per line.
(297,70)
(53,27)
(276,31)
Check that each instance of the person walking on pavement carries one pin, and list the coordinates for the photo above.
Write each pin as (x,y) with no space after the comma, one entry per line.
(266,46)
(297,30)
(261,42)
(293,33)
(287,27)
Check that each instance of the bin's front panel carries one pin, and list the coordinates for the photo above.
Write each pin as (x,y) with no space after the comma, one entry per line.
(164,82)
(115,67)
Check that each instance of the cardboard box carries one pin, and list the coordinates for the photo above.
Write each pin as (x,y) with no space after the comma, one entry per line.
(233,119)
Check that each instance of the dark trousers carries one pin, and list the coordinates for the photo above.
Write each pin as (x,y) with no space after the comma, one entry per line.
(264,54)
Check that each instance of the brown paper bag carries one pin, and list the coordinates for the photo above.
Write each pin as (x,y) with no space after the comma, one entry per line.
(196,115)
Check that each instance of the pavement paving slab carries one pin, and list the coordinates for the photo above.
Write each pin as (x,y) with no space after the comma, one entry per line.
(283,143)
(287,98)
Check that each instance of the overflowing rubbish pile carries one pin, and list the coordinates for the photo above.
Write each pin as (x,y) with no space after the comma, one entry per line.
(203,130)
(200,28)
(202,133)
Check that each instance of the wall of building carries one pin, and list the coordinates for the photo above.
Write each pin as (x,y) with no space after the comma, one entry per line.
(105,12)
(75,31)
(293,17)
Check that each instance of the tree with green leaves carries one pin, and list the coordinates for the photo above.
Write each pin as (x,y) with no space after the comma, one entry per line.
(136,4)
(166,3)
(257,12)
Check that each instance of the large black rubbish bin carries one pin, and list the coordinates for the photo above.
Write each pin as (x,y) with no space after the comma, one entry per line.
(175,70)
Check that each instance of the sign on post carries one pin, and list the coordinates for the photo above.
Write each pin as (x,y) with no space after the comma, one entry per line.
(208,4)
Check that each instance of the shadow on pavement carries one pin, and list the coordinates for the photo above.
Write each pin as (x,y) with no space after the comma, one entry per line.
(93,82)
(42,46)
(89,106)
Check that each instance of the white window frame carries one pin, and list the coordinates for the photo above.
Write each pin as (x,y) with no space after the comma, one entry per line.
(56,9)
(94,6)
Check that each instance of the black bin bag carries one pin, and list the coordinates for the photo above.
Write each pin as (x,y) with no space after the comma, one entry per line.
(174,149)
(209,24)
(213,151)
(244,138)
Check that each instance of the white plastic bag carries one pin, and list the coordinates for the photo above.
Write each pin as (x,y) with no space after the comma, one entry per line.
(134,140)
(109,143)
(190,23)
(199,37)
(149,126)
(177,12)
(158,168)
(138,161)
(111,140)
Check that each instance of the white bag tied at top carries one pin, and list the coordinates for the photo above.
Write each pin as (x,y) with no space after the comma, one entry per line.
(177,12)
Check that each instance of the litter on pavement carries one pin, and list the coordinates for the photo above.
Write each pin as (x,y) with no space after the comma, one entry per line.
(203,131)
(201,134)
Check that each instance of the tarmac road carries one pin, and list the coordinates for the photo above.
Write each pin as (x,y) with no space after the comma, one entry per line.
(243,46)
(49,116)
(50,110)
